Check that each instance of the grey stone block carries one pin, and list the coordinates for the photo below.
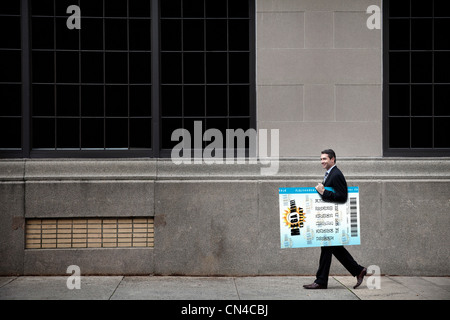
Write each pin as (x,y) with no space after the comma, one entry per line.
(319,103)
(351,31)
(314,5)
(319,29)
(280,103)
(313,66)
(358,139)
(89,199)
(358,103)
(415,222)
(98,261)
(208,228)
(280,30)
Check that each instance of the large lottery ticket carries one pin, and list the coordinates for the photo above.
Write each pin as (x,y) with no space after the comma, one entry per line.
(308,221)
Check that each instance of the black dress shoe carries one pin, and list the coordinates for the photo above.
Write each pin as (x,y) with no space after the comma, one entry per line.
(314,286)
(360,278)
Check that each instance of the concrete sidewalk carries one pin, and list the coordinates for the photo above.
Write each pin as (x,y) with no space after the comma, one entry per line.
(220,288)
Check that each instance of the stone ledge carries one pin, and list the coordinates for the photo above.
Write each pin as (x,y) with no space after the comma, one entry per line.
(165,169)
(12,170)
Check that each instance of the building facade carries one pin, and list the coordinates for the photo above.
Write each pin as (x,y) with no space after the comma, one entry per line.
(92,92)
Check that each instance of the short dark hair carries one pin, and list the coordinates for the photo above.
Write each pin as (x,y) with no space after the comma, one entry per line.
(330,154)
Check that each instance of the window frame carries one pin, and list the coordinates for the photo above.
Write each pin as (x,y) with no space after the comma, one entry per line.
(410,151)
(155,151)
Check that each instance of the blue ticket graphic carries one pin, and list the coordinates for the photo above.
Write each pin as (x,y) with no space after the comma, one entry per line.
(308,221)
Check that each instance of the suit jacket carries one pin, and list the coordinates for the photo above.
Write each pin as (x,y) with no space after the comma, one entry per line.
(335,180)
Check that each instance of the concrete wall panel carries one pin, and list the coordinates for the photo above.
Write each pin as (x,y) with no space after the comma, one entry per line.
(208,228)
(11,228)
(223,219)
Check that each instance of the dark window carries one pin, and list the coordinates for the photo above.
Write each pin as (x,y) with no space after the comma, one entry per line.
(417,81)
(10,76)
(206,63)
(83,79)
(119,86)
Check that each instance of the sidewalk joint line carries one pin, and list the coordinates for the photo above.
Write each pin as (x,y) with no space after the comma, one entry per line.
(235,286)
(11,280)
(347,288)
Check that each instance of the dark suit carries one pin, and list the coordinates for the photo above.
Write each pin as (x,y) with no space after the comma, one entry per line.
(335,180)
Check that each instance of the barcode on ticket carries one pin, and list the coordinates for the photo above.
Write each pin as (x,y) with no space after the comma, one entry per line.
(353,217)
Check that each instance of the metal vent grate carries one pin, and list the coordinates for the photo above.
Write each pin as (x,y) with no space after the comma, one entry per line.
(89,233)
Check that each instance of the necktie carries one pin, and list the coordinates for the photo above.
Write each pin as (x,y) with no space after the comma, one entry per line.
(325,178)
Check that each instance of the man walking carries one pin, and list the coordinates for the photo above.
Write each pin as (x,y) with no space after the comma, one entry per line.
(336,180)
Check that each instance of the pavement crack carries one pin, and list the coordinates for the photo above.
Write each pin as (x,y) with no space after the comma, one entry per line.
(115,289)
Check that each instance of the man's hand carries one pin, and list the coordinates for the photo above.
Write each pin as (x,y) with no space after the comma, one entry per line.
(320,188)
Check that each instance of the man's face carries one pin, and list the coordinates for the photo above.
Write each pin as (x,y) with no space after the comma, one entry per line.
(327,163)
